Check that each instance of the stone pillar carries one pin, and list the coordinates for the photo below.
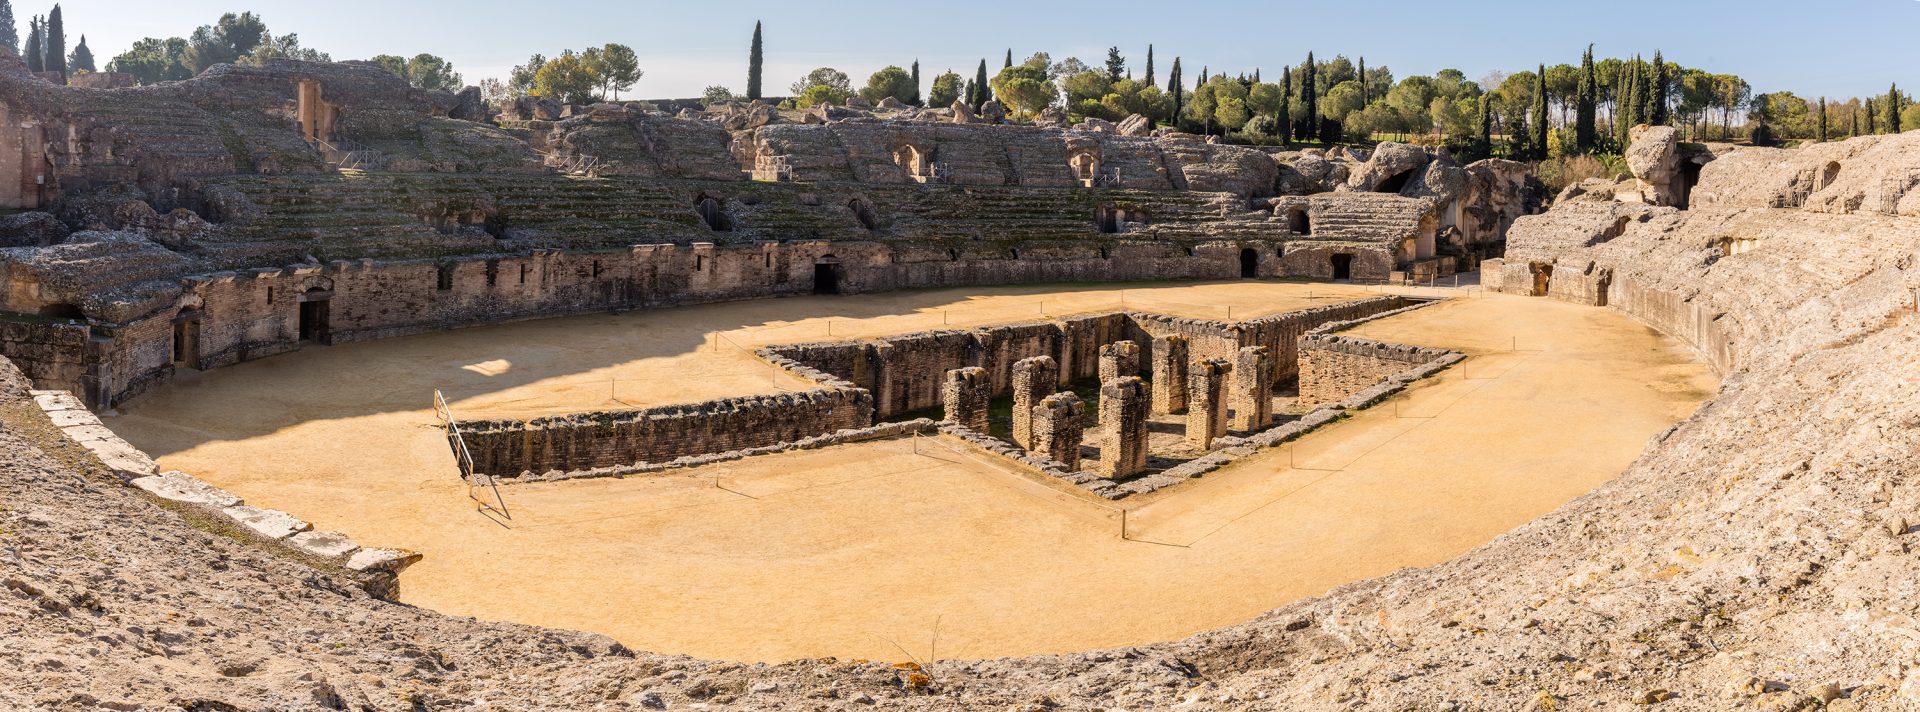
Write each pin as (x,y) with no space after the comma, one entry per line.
(965,393)
(1207,402)
(1123,414)
(1033,379)
(1252,396)
(1057,428)
(1119,359)
(1170,374)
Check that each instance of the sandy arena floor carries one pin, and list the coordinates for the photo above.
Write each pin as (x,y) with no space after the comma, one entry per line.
(874,550)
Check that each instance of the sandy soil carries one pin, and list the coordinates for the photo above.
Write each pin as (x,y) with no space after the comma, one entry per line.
(862,551)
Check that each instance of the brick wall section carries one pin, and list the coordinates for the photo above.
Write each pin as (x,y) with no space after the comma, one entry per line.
(1251,392)
(964,394)
(1333,367)
(1207,402)
(584,441)
(1058,426)
(1033,380)
(1170,361)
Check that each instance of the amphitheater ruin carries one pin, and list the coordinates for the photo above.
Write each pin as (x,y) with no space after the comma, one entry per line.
(321,391)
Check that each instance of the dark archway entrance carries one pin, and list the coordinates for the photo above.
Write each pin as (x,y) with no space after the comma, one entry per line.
(1298,222)
(826,275)
(186,339)
(1394,184)
(314,316)
(713,214)
(1342,265)
(1249,263)
(1689,177)
(1542,278)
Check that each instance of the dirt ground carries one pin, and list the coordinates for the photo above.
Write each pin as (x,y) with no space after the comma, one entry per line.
(881,552)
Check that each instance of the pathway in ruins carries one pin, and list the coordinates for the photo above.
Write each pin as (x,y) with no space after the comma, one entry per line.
(862,551)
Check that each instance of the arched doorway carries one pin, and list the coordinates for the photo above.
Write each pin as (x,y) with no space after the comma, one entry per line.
(314,316)
(1249,263)
(186,339)
(712,214)
(826,275)
(862,213)
(1342,265)
(1298,222)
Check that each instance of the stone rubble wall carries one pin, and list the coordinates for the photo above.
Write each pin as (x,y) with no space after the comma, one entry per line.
(588,441)
(1335,367)
(880,431)
(377,570)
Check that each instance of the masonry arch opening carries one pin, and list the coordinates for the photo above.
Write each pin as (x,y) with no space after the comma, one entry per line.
(1342,265)
(1298,221)
(186,339)
(1249,263)
(827,273)
(314,316)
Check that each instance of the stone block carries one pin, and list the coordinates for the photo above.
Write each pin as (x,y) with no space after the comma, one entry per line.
(1170,354)
(1119,359)
(1058,428)
(391,561)
(270,523)
(1124,406)
(1207,405)
(1252,393)
(1033,379)
(182,487)
(328,544)
(965,393)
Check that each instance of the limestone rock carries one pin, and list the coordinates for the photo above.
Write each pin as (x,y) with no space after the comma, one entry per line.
(892,104)
(1051,117)
(33,229)
(1135,125)
(382,560)
(856,102)
(328,544)
(1098,125)
(993,112)
(962,114)
(468,106)
(1654,157)
(182,487)
(270,523)
(1389,160)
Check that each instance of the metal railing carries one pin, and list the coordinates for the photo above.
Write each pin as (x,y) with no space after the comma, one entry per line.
(464,459)
(577,164)
(343,154)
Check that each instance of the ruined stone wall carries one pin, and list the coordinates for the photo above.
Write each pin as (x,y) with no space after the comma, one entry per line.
(1281,333)
(584,441)
(51,353)
(1334,367)
(22,159)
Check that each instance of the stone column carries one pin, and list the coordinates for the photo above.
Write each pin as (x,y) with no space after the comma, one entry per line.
(1057,428)
(965,393)
(1170,374)
(1033,379)
(1123,414)
(1207,404)
(1252,396)
(1119,359)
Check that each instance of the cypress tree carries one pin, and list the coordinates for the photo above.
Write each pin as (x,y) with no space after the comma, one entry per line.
(9,33)
(1823,119)
(1485,137)
(1009,57)
(1256,75)
(1584,104)
(1853,123)
(1309,101)
(1285,129)
(915,100)
(1365,98)
(1202,81)
(36,51)
(755,58)
(1893,102)
(1178,92)
(1540,114)
(1873,119)
(1626,103)
(82,58)
(55,37)
(1659,116)
(983,92)
(1149,63)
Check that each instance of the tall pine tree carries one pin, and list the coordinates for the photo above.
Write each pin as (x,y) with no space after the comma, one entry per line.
(1586,99)
(36,51)
(1150,79)
(1659,117)
(1539,140)
(1179,93)
(9,33)
(1009,57)
(1116,64)
(1893,104)
(55,37)
(915,100)
(82,58)
(756,59)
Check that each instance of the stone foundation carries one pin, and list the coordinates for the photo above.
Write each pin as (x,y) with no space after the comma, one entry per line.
(1033,379)
(964,393)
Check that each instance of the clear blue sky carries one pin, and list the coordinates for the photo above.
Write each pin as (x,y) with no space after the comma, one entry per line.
(1836,48)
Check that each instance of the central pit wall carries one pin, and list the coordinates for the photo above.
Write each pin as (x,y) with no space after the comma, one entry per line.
(904,372)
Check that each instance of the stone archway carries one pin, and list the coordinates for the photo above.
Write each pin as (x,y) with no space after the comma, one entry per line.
(1342,264)
(1298,222)
(827,275)
(186,339)
(1085,166)
(316,315)
(1249,263)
